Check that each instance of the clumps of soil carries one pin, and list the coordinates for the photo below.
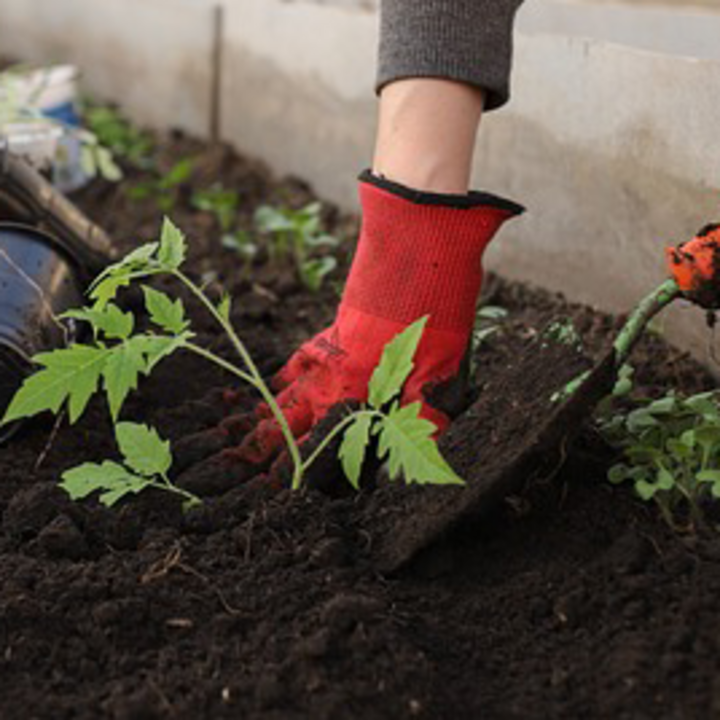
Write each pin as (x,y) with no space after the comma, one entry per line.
(568,599)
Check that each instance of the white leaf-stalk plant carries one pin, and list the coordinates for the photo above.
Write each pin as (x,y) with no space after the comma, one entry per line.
(118,355)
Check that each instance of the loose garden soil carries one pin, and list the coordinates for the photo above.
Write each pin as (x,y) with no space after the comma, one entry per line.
(568,599)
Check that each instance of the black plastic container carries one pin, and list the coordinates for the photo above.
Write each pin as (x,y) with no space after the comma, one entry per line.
(39,279)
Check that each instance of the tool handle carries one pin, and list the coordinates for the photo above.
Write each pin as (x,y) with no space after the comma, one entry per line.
(33,199)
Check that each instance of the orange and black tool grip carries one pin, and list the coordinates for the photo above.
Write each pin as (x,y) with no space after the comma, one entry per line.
(695,267)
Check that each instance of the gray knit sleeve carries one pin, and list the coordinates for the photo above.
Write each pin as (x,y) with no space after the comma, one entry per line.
(465,40)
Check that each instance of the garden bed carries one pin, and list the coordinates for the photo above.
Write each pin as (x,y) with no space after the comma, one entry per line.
(572,600)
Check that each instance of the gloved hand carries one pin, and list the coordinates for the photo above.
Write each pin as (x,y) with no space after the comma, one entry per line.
(418,254)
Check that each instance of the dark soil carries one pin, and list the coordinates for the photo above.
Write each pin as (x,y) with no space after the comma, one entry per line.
(568,599)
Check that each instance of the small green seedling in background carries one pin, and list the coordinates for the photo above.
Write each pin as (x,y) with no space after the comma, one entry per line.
(163,190)
(242,243)
(119,135)
(223,205)
(118,355)
(294,235)
(219,202)
(563,332)
(488,320)
(671,450)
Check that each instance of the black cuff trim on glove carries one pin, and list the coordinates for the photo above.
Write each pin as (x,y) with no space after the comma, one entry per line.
(461,202)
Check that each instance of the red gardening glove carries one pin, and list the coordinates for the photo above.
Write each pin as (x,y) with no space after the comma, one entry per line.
(418,254)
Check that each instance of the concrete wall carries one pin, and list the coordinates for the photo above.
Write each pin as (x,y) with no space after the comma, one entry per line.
(611,139)
(154,56)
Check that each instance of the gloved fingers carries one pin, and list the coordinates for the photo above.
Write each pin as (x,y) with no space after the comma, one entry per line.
(216,474)
(287,398)
(267,439)
(236,427)
(192,449)
(300,364)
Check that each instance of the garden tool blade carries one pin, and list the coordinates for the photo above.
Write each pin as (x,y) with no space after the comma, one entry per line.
(518,426)
(27,197)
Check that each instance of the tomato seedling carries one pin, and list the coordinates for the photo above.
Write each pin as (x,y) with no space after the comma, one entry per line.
(163,190)
(118,356)
(118,134)
(294,235)
(671,449)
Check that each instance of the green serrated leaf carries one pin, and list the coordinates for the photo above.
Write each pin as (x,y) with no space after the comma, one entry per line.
(173,247)
(85,479)
(395,365)
(158,347)
(133,484)
(144,450)
(68,374)
(108,319)
(120,374)
(164,312)
(354,447)
(406,440)
(139,261)
(106,290)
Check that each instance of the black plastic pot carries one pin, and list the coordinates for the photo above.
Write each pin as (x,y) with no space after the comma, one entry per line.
(39,279)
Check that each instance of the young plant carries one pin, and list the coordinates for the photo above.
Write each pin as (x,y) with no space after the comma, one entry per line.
(294,235)
(119,355)
(671,450)
(164,189)
(488,319)
(116,133)
(242,243)
(219,202)
(223,205)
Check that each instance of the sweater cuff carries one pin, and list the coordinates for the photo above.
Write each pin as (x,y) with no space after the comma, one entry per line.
(467,41)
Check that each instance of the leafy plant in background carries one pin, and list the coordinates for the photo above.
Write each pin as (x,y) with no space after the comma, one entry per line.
(163,189)
(118,134)
(671,451)
(223,205)
(219,202)
(118,355)
(295,235)
(488,320)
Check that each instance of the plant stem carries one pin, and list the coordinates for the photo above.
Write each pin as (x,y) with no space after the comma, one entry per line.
(224,364)
(254,377)
(335,431)
(636,323)
(170,487)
